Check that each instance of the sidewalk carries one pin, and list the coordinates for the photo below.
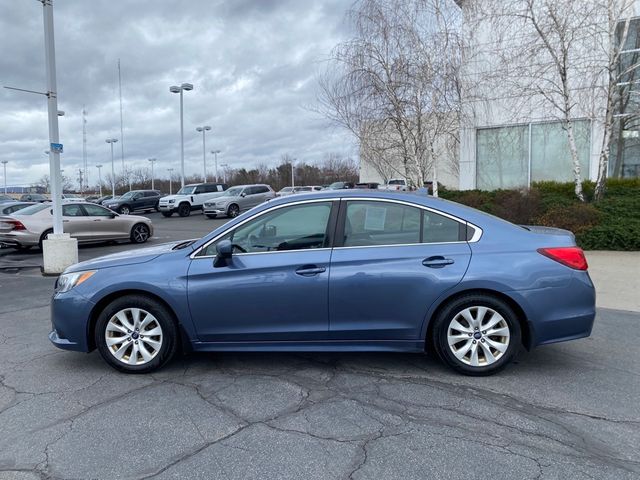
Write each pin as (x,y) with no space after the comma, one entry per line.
(616,276)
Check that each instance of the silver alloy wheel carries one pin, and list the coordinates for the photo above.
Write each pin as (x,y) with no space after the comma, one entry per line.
(125,210)
(478,336)
(133,336)
(140,233)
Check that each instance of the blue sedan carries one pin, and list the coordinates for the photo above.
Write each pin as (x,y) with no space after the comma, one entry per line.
(341,270)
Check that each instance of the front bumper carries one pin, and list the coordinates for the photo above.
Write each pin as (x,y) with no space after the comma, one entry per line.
(214,210)
(169,207)
(70,314)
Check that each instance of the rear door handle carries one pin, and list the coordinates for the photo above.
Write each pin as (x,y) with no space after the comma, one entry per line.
(310,270)
(437,262)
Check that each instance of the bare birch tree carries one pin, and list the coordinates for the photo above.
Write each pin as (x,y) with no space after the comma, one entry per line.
(394,86)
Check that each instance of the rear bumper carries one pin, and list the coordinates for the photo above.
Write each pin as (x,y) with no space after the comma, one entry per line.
(558,314)
(18,239)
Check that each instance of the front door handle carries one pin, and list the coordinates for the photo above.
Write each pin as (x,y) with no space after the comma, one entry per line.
(310,270)
(437,262)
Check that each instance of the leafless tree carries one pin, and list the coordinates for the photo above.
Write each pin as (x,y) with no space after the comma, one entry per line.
(394,86)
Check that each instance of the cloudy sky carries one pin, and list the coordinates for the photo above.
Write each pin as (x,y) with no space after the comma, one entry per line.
(253,64)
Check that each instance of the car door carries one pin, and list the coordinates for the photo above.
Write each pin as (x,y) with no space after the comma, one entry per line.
(247,199)
(102,222)
(275,286)
(391,262)
(75,222)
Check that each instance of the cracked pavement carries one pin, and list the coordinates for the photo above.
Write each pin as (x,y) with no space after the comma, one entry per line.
(562,411)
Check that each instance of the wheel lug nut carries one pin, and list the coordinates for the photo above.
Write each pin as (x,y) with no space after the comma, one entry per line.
(476,328)
(469,334)
(474,342)
(484,332)
(128,331)
(482,340)
(128,339)
(136,342)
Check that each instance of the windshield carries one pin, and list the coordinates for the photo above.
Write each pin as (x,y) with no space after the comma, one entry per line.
(32,209)
(232,192)
(186,190)
(396,182)
(336,185)
(286,189)
(128,195)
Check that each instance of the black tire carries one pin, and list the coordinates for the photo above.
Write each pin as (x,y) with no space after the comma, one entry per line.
(212,216)
(233,211)
(157,207)
(140,233)
(167,214)
(184,210)
(23,248)
(164,318)
(43,237)
(124,210)
(451,311)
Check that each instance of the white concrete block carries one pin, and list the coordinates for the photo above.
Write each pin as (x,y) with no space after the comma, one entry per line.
(59,251)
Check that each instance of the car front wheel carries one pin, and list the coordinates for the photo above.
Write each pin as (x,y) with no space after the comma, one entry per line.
(184,210)
(140,233)
(136,334)
(233,211)
(477,334)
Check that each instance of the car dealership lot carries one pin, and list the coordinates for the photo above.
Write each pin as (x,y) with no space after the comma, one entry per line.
(562,411)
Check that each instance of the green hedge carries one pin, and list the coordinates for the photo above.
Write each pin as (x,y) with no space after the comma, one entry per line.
(610,224)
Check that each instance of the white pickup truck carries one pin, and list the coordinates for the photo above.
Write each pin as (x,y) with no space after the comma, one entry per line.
(189,198)
(395,184)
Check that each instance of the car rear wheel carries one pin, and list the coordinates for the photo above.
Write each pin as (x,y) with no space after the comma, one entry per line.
(124,210)
(43,237)
(233,211)
(477,334)
(135,334)
(140,233)
(184,210)
(167,214)
(209,215)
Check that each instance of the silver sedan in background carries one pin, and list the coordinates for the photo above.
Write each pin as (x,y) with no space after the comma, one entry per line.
(85,221)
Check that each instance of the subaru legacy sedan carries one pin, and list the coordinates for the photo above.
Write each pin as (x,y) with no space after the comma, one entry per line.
(341,270)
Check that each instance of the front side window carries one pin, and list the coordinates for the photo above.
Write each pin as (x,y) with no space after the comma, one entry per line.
(72,211)
(298,227)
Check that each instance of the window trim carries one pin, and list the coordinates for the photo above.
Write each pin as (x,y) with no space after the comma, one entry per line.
(330,232)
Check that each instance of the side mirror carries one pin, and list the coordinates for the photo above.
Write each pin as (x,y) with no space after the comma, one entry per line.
(243,194)
(224,250)
(113,215)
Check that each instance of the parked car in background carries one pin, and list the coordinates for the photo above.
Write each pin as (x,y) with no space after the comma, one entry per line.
(340,185)
(34,197)
(135,200)
(237,200)
(307,189)
(104,198)
(368,185)
(91,198)
(347,260)
(284,192)
(190,198)
(7,208)
(85,221)
(6,198)
(396,185)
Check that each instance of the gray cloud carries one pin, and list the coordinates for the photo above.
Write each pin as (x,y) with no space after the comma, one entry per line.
(253,64)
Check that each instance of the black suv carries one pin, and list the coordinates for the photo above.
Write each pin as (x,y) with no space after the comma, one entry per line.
(33,197)
(134,200)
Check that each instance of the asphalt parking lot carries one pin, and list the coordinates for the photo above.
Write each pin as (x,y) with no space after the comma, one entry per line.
(562,411)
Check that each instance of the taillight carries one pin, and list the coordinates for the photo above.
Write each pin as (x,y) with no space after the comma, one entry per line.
(17,225)
(570,256)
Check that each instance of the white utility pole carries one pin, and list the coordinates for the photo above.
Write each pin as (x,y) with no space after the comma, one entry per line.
(224,172)
(170,170)
(4,166)
(180,90)
(111,141)
(99,167)
(204,129)
(215,156)
(122,127)
(152,160)
(293,182)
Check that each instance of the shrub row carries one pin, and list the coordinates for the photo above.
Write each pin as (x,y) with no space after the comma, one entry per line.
(610,224)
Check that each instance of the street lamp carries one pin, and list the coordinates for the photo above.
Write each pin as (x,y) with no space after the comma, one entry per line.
(99,167)
(152,160)
(215,156)
(170,170)
(4,166)
(204,149)
(111,141)
(224,172)
(180,90)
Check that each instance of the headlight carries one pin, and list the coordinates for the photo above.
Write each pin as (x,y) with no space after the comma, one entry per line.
(67,281)
(171,201)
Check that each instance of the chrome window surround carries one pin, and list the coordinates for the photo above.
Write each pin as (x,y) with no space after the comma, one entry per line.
(477,234)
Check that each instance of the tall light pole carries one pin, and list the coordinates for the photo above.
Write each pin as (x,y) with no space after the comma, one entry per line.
(180,90)
(152,160)
(215,156)
(111,141)
(204,151)
(293,182)
(99,167)
(4,167)
(170,170)
(224,172)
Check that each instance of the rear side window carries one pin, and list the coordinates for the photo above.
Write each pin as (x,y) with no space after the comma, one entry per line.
(386,223)
(250,190)
(261,189)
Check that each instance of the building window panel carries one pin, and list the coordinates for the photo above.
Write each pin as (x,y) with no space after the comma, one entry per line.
(502,157)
